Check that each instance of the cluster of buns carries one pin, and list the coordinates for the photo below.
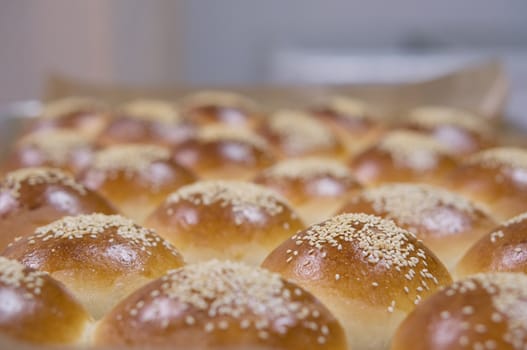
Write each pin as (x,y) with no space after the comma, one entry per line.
(218,223)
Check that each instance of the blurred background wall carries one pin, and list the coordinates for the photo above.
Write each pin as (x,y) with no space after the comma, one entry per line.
(240,41)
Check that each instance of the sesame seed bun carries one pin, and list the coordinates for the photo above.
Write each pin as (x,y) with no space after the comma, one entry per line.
(480,312)
(317,187)
(446,222)
(101,258)
(294,133)
(226,220)
(37,309)
(503,249)
(496,177)
(57,148)
(369,272)
(352,120)
(221,153)
(136,178)
(33,197)
(221,303)
(147,121)
(221,108)
(85,115)
(460,131)
(403,156)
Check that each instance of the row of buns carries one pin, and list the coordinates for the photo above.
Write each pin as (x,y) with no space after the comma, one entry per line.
(360,227)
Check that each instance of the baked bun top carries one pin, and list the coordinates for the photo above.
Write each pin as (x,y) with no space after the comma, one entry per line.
(31,197)
(425,210)
(62,148)
(298,133)
(503,249)
(485,311)
(148,166)
(362,257)
(348,111)
(221,303)
(156,111)
(98,247)
(307,178)
(402,156)
(36,308)
(214,106)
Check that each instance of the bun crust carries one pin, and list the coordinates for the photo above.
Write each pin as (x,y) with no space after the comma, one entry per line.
(226,304)
(219,153)
(294,133)
(317,187)
(136,178)
(99,257)
(403,156)
(225,220)
(496,178)
(503,249)
(480,312)
(32,197)
(369,272)
(40,310)
(447,223)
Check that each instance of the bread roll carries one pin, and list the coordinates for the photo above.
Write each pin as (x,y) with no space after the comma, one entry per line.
(369,272)
(460,131)
(221,304)
(503,249)
(83,114)
(101,258)
(220,153)
(147,121)
(34,308)
(447,223)
(136,178)
(295,133)
(403,156)
(480,312)
(221,108)
(225,220)
(352,120)
(496,177)
(33,197)
(57,148)
(317,187)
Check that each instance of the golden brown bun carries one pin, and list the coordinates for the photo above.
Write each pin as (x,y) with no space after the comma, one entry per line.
(220,153)
(352,120)
(294,133)
(221,107)
(136,178)
(147,121)
(82,114)
(101,258)
(221,304)
(403,156)
(480,312)
(225,220)
(503,249)
(34,308)
(369,272)
(447,223)
(496,177)
(460,131)
(57,148)
(33,197)
(317,187)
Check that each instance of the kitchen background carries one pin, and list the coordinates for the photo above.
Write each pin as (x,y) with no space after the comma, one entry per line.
(247,41)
